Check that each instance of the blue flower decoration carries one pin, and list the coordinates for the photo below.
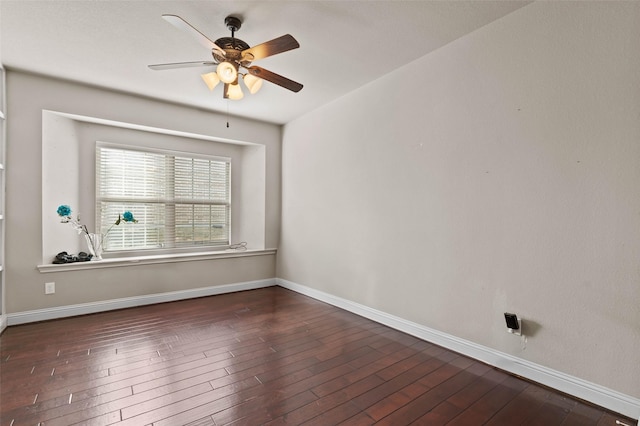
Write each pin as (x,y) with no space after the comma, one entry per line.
(128,217)
(64,210)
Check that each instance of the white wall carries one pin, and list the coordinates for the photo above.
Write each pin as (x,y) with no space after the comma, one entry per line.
(3,319)
(28,96)
(499,173)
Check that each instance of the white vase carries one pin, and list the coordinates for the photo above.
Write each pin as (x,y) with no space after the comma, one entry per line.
(94,243)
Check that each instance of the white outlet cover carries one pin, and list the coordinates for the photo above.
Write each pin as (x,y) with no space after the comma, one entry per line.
(517,332)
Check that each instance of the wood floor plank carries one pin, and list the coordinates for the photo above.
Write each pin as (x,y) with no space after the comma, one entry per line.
(441,414)
(267,356)
(429,392)
(491,403)
(522,407)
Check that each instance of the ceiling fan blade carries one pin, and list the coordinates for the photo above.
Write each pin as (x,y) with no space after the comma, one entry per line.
(183,25)
(270,48)
(160,67)
(275,78)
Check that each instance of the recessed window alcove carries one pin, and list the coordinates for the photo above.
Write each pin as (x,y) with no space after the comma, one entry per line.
(68,176)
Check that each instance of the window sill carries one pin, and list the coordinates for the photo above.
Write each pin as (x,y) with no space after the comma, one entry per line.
(150,260)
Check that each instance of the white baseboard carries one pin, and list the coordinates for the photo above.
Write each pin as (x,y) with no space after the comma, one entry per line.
(129,302)
(596,394)
(3,322)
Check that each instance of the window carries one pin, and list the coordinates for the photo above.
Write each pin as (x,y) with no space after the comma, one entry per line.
(180,200)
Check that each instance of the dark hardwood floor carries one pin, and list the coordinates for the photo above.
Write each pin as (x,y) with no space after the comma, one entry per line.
(268,356)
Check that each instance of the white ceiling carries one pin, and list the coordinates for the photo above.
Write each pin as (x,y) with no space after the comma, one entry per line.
(343,44)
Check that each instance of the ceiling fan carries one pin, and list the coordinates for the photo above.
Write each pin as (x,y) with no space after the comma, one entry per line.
(231,56)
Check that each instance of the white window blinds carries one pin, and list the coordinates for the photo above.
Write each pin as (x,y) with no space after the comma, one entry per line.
(178,200)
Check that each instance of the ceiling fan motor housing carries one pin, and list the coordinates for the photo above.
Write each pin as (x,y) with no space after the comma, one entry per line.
(231,45)
(233,48)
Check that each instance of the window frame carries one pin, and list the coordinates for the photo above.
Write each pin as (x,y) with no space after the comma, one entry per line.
(180,249)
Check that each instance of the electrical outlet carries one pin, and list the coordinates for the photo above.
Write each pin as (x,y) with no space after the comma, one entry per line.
(49,288)
(516,331)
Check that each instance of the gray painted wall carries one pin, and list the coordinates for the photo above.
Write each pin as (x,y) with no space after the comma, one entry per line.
(499,173)
(27,221)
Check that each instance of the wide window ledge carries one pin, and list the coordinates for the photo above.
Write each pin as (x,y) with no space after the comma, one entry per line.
(150,260)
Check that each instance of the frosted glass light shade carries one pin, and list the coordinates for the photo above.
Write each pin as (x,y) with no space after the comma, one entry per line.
(227,72)
(252,82)
(235,92)
(211,79)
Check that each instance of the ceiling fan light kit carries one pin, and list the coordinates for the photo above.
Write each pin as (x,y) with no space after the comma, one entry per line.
(252,82)
(227,72)
(211,79)
(234,92)
(230,55)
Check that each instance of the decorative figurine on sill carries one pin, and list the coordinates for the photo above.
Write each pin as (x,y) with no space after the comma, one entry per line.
(64,257)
